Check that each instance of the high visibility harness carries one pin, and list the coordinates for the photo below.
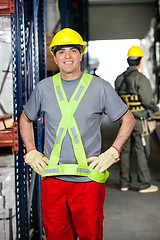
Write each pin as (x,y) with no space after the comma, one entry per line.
(132,100)
(69,124)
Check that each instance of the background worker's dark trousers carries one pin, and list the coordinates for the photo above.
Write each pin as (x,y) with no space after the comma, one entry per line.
(143,172)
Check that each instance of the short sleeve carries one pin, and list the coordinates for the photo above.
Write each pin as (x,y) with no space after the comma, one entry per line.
(114,107)
(32,108)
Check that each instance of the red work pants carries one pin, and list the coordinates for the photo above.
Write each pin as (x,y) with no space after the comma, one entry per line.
(72,210)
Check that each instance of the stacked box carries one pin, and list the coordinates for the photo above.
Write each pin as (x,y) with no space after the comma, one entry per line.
(51,65)
(6,122)
(2,127)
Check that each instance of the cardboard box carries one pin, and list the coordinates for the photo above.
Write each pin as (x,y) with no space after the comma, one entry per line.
(156,116)
(51,65)
(8,122)
(2,127)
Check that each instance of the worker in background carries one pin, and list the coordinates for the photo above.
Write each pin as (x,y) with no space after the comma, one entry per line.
(135,90)
(73,103)
(93,65)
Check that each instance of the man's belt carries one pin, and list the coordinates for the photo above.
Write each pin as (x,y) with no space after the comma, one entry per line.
(133,102)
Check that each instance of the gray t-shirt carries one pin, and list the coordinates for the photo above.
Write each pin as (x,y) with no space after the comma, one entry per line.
(100,98)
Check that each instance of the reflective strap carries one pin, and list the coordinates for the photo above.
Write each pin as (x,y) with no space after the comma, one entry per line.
(51,170)
(125,99)
(74,135)
(56,170)
(134,98)
(59,93)
(78,93)
(59,135)
(82,170)
(135,104)
(136,109)
(73,169)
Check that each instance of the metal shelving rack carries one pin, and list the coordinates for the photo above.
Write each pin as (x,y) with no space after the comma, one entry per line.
(28,37)
(29,67)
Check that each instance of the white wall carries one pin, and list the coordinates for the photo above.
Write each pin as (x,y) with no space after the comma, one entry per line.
(6,96)
(52,15)
(112,55)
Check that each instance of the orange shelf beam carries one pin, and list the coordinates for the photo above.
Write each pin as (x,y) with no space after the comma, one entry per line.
(6,7)
(9,137)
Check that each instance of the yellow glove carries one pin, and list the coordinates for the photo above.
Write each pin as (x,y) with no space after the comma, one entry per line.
(104,160)
(36,160)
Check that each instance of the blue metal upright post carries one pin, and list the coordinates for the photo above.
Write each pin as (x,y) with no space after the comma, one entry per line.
(63,11)
(19,99)
(28,53)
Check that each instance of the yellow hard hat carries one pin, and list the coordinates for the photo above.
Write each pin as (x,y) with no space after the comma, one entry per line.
(67,36)
(135,51)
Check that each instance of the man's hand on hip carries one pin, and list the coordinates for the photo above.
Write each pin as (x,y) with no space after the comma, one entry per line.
(104,160)
(36,160)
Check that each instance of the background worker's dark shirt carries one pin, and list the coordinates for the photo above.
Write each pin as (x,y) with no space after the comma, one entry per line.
(137,84)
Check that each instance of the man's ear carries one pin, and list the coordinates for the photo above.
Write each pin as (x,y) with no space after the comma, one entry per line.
(54,59)
(81,57)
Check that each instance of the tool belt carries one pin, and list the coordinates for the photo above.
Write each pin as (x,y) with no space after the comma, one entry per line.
(148,126)
(133,102)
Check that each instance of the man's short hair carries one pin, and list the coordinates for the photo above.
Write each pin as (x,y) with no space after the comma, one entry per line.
(59,47)
(134,61)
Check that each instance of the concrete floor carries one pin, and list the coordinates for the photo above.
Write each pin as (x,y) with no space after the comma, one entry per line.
(128,215)
(131,215)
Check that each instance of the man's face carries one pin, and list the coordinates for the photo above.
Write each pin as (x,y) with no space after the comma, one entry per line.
(68,60)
